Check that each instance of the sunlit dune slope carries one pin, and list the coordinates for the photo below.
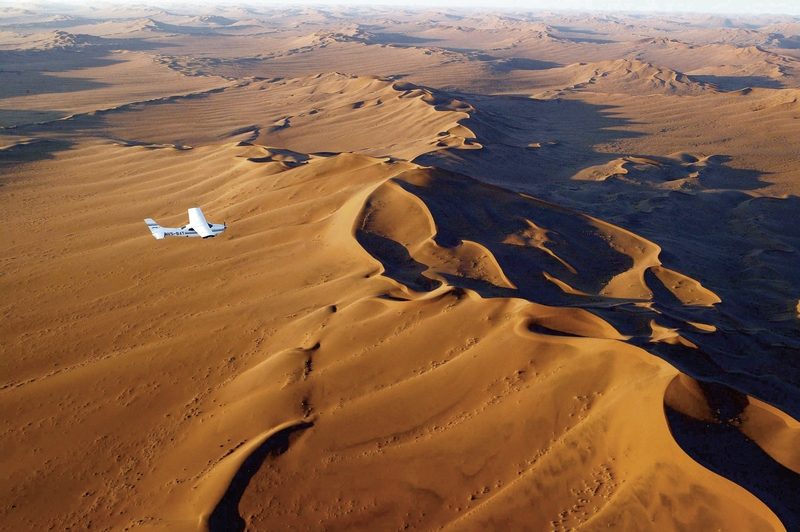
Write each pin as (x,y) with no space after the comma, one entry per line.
(328,112)
(618,76)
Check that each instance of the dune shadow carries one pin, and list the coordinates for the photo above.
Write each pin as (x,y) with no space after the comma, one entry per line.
(225,516)
(509,128)
(500,221)
(502,66)
(399,39)
(743,248)
(589,40)
(397,262)
(572,29)
(787,43)
(34,73)
(718,175)
(735,83)
(722,448)
(13,117)
(688,173)
(31,150)
(57,24)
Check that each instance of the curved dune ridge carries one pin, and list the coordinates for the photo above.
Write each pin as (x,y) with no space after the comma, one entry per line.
(622,76)
(678,171)
(619,262)
(541,292)
(327,112)
(400,347)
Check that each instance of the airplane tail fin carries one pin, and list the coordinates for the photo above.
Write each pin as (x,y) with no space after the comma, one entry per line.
(155,229)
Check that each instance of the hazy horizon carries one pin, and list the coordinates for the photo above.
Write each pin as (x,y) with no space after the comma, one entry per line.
(701,7)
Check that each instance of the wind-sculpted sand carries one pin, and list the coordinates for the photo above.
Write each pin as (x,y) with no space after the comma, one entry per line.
(435,306)
(328,112)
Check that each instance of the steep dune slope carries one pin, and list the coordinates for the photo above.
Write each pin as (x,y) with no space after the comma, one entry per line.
(328,112)
(722,64)
(486,239)
(618,76)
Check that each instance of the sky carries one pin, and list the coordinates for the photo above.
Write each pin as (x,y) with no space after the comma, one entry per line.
(688,6)
(790,7)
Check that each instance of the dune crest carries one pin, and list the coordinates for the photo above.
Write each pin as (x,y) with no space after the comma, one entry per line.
(295,114)
(622,76)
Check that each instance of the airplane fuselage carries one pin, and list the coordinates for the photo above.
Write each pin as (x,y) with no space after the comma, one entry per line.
(189,232)
(198,226)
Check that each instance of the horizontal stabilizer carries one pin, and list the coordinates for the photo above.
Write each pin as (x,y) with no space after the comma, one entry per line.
(155,229)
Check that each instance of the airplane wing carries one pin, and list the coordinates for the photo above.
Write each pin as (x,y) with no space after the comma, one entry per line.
(199,223)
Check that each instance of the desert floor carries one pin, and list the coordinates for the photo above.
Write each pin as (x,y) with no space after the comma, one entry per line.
(482,271)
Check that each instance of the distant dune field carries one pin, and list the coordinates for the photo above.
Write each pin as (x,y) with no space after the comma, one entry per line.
(482,271)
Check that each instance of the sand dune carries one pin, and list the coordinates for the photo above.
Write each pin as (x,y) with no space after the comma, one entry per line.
(726,65)
(621,75)
(110,79)
(297,114)
(321,377)
(57,39)
(481,271)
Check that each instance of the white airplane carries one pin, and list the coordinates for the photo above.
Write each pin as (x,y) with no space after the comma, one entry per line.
(197,226)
